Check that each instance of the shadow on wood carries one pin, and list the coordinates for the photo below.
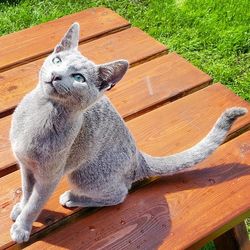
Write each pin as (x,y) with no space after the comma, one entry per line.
(204,177)
(130,225)
(146,217)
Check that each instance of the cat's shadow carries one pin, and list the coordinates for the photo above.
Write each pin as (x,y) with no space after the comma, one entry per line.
(144,215)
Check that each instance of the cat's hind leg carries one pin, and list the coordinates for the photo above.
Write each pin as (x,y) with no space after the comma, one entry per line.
(114,197)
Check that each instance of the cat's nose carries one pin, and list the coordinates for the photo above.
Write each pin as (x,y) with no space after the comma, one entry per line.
(56,77)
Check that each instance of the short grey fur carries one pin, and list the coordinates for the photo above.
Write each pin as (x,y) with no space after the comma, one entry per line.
(66,125)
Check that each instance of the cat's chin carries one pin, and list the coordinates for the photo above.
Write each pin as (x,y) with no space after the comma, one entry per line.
(50,92)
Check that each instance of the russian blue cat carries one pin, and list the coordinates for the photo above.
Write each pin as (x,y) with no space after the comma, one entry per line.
(67,126)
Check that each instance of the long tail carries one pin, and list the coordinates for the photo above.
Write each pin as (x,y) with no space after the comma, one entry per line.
(156,166)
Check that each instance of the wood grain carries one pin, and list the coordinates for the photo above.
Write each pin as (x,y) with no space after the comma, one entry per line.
(156,82)
(40,40)
(173,213)
(184,122)
(170,77)
(168,129)
(6,157)
(132,44)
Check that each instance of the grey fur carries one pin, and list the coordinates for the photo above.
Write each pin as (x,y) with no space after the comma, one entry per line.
(67,126)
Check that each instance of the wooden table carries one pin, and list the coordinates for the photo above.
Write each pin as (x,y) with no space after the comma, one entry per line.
(169,105)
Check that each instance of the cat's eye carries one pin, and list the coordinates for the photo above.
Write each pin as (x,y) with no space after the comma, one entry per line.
(57,60)
(79,77)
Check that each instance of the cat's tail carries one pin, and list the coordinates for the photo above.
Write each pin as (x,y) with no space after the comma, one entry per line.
(157,166)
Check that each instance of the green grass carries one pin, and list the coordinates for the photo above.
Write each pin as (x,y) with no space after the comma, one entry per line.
(213,35)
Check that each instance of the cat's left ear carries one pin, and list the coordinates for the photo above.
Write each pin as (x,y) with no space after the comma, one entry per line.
(70,39)
(111,73)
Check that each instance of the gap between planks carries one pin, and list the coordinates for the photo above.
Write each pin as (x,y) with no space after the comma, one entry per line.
(170,100)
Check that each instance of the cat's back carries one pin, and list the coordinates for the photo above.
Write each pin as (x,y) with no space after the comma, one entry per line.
(102,120)
(103,130)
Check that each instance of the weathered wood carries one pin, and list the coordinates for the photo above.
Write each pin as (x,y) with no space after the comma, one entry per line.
(186,121)
(173,212)
(235,238)
(132,44)
(156,82)
(166,130)
(170,77)
(39,40)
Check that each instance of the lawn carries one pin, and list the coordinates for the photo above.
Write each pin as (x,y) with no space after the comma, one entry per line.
(213,35)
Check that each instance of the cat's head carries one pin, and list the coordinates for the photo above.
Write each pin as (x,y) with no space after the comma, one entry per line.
(71,79)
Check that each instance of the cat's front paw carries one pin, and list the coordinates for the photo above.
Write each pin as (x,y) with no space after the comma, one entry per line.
(19,234)
(66,199)
(16,210)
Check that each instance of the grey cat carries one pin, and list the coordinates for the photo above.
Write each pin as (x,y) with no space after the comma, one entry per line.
(66,125)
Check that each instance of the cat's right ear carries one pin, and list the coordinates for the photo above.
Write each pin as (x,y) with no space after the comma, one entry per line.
(111,73)
(70,39)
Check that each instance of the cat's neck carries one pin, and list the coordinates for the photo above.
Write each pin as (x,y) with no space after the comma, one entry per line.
(55,107)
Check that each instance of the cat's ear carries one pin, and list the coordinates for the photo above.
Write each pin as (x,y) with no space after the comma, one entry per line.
(111,73)
(70,39)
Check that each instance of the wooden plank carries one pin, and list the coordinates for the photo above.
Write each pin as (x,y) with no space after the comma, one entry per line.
(165,130)
(170,77)
(156,82)
(39,40)
(132,44)
(165,214)
(7,159)
(186,120)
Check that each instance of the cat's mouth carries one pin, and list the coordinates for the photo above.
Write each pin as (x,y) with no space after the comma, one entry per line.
(53,79)
(57,88)
(51,84)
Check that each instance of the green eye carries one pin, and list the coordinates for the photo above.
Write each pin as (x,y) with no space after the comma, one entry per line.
(79,77)
(57,60)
